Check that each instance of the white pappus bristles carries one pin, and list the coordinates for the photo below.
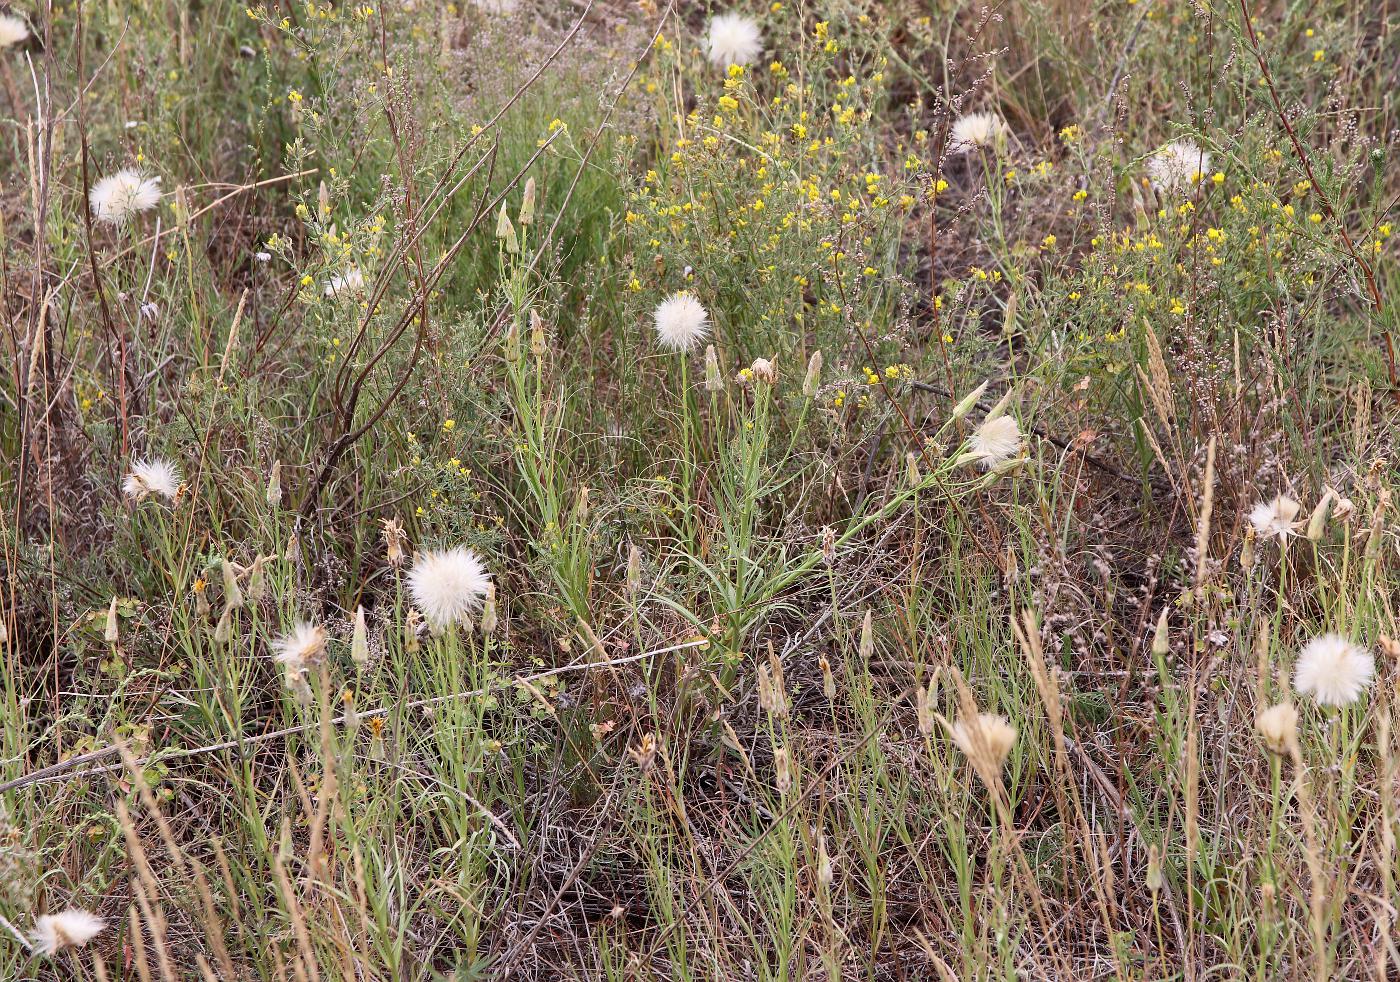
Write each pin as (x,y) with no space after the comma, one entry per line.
(447,585)
(1275,518)
(152,476)
(350,282)
(977,130)
(71,928)
(13,30)
(1277,726)
(117,197)
(733,40)
(1333,671)
(986,739)
(1177,165)
(304,645)
(681,322)
(997,440)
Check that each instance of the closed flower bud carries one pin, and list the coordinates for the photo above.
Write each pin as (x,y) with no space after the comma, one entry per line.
(911,469)
(393,542)
(968,402)
(233,596)
(1161,639)
(1154,881)
(813,380)
(782,769)
(505,231)
(538,343)
(488,611)
(111,633)
(828,679)
(257,579)
(825,873)
(713,380)
(527,204)
(634,569)
(411,624)
(1247,550)
(1317,523)
(274,485)
(224,629)
(763,370)
(867,637)
(359,640)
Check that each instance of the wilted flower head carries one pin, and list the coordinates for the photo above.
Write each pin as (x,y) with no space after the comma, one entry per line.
(996,440)
(447,585)
(1177,165)
(1333,671)
(681,322)
(13,30)
(155,475)
(71,928)
(1278,727)
(304,645)
(1277,517)
(117,197)
(763,371)
(977,130)
(733,40)
(348,282)
(986,739)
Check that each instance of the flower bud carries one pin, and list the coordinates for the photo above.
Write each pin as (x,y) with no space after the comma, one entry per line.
(527,204)
(274,485)
(968,402)
(813,381)
(359,640)
(713,381)
(111,633)
(233,597)
(1317,523)
(505,231)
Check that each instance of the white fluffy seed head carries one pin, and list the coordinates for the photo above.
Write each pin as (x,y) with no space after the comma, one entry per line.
(986,739)
(447,585)
(153,476)
(71,928)
(349,282)
(1278,517)
(681,322)
(977,130)
(1333,671)
(733,40)
(13,30)
(117,197)
(304,645)
(997,440)
(1177,165)
(1278,727)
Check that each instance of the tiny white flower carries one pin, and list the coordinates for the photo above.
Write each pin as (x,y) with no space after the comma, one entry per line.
(71,928)
(1333,671)
(977,130)
(681,322)
(348,282)
(117,197)
(447,585)
(155,475)
(1275,518)
(733,40)
(262,257)
(1177,165)
(13,30)
(995,441)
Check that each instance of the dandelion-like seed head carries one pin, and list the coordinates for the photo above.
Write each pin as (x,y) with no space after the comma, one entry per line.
(1177,165)
(1333,671)
(304,645)
(13,30)
(344,284)
(1278,727)
(117,197)
(733,40)
(71,928)
(153,476)
(996,440)
(681,322)
(977,130)
(986,739)
(447,585)
(1275,518)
